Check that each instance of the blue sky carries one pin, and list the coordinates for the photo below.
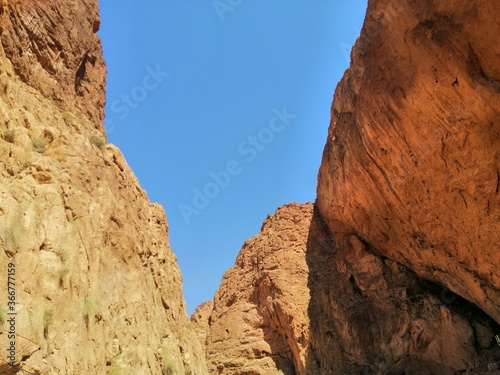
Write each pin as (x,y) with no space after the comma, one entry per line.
(221,108)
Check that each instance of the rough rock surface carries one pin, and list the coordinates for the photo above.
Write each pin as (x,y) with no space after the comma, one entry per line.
(201,323)
(408,190)
(259,322)
(98,288)
(372,315)
(395,270)
(296,302)
(402,257)
(412,162)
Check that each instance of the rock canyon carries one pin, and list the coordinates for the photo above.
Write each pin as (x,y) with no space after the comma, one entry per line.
(394,269)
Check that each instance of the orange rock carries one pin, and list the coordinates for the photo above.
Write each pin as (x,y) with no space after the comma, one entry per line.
(401,269)
(412,161)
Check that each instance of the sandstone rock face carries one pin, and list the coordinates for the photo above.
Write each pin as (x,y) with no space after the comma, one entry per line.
(53,47)
(408,190)
(401,264)
(259,321)
(395,270)
(201,323)
(370,314)
(98,289)
(296,302)
(412,162)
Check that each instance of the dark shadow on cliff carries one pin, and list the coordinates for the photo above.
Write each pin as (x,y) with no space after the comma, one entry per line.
(371,315)
(326,354)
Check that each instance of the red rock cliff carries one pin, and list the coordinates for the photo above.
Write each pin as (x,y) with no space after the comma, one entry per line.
(408,191)
(412,161)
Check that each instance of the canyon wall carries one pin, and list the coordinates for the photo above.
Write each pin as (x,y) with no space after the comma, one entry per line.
(258,323)
(400,271)
(394,270)
(298,302)
(412,161)
(97,287)
(409,183)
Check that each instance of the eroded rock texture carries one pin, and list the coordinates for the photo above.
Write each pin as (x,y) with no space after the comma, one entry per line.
(402,257)
(412,162)
(297,302)
(259,323)
(98,288)
(409,192)
(372,315)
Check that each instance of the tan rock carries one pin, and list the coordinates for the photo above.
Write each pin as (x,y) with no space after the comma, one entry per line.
(201,323)
(297,303)
(259,322)
(395,270)
(98,289)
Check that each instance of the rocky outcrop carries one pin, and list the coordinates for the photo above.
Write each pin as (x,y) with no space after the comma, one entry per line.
(408,191)
(52,46)
(259,323)
(297,302)
(412,161)
(97,287)
(372,315)
(201,323)
(401,259)
(395,270)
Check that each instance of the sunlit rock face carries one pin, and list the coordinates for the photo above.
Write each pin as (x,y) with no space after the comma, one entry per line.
(258,322)
(98,289)
(401,268)
(412,161)
(410,181)
(394,270)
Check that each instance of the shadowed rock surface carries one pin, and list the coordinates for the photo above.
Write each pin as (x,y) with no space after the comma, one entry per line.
(373,315)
